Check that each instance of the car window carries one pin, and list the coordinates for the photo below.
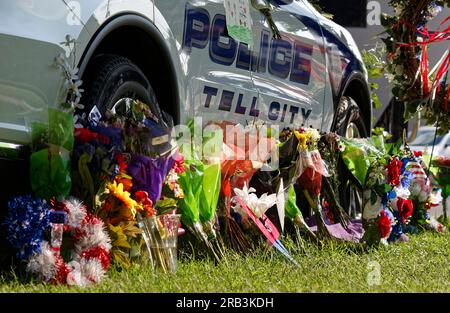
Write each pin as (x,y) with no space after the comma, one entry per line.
(426,139)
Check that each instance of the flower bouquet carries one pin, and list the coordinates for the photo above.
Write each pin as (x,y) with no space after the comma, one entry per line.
(200,180)
(251,206)
(309,171)
(201,186)
(422,195)
(441,172)
(122,164)
(395,187)
(299,163)
(245,150)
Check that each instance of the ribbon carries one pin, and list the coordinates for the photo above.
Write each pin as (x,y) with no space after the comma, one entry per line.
(430,37)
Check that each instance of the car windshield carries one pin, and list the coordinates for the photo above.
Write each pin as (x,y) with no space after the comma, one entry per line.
(426,138)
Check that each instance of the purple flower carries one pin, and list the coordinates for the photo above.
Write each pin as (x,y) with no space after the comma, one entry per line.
(149,174)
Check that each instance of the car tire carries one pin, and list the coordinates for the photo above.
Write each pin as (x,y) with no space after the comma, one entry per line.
(111,78)
(349,123)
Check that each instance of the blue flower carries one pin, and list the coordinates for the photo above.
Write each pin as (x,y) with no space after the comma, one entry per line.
(397,228)
(406,179)
(392,195)
(405,162)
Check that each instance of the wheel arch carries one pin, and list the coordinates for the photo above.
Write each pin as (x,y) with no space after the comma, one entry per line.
(153,57)
(356,87)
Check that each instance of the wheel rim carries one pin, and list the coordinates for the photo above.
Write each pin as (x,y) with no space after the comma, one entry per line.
(121,106)
(352,131)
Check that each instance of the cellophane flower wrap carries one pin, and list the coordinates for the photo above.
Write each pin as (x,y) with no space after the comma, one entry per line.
(50,161)
(200,181)
(310,167)
(123,164)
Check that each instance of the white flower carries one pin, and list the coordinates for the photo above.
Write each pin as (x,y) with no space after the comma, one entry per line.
(390,77)
(315,135)
(258,205)
(401,192)
(435,198)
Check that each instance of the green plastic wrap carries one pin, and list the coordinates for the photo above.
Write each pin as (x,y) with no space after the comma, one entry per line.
(291,207)
(60,128)
(191,182)
(50,160)
(357,155)
(50,172)
(210,192)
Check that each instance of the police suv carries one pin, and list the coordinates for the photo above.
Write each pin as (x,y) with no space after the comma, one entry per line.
(178,56)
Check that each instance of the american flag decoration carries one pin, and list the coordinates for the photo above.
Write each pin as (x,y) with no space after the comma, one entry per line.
(421,184)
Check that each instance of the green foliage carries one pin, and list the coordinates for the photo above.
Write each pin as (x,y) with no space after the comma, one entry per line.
(374,60)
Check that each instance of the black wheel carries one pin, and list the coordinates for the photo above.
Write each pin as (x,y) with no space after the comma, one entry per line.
(349,123)
(110,79)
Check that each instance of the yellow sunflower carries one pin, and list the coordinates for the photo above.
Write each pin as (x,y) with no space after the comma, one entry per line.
(124,196)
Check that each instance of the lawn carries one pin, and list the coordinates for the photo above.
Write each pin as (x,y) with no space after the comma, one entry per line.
(421,265)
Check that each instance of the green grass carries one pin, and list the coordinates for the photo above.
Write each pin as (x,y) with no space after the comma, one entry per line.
(421,265)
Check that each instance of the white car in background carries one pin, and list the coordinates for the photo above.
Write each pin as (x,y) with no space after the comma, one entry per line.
(426,138)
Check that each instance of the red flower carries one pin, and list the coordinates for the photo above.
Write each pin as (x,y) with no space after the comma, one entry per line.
(311,180)
(140,196)
(127,183)
(147,203)
(405,208)
(83,135)
(178,165)
(121,162)
(384,225)
(418,154)
(107,206)
(394,169)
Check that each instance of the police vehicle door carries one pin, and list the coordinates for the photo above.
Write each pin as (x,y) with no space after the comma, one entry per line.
(290,72)
(218,66)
